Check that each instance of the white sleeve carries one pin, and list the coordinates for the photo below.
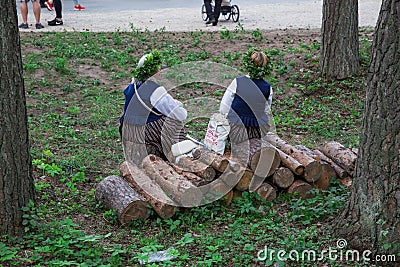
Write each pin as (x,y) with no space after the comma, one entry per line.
(167,105)
(227,99)
(269,102)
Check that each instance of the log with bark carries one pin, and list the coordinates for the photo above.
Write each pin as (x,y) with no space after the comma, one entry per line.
(148,189)
(291,163)
(283,177)
(302,188)
(327,174)
(244,182)
(211,158)
(259,156)
(174,185)
(193,178)
(266,191)
(199,168)
(341,155)
(312,168)
(116,194)
(341,173)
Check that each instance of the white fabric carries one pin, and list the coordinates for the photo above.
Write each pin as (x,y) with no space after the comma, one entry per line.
(167,105)
(227,99)
(142,60)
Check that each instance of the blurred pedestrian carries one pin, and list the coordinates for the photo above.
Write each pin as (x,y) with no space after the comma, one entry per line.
(78,6)
(24,13)
(57,21)
(213,16)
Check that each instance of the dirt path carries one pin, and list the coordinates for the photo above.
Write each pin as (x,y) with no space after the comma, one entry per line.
(305,14)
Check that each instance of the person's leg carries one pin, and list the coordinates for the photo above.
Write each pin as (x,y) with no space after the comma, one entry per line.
(24,11)
(217,11)
(36,10)
(58,7)
(58,20)
(209,12)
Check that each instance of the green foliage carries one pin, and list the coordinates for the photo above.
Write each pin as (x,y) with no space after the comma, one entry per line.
(256,72)
(150,66)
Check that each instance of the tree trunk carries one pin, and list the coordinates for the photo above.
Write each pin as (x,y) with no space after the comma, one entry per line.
(328,173)
(148,189)
(371,218)
(116,194)
(339,46)
(174,185)
(16,179)
(312,168)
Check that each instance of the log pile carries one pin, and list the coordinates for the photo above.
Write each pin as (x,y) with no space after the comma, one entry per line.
(264,168)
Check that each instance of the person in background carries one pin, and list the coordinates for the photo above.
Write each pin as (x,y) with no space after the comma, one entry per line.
(57,21)
(77,6)
(152,120)
(213,16)
(24,13)
(247,100)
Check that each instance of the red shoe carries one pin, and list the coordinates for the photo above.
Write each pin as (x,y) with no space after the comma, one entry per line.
(79,7)
(49,5)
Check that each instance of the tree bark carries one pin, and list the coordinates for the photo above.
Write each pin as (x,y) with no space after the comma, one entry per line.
(174,185)
(339,170)
(339,46)
(291,163)
(245,180)
(116,194)
(16,178)
(190,176)
(199,168)
(342,156)
(371,217)
(328,173)
(312,168)
(218,162)
(148,189)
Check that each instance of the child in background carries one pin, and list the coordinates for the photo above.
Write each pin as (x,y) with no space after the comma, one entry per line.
(77,6)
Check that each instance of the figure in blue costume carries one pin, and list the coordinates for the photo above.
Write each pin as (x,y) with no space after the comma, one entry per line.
(152,120)
(247,100)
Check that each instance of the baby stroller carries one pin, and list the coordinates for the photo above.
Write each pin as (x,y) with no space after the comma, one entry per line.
(227,10)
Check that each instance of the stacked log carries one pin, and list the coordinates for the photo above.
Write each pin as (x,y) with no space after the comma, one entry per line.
(265,168)
(148,189)
(116,194)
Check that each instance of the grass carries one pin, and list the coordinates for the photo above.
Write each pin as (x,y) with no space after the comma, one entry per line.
(74,84)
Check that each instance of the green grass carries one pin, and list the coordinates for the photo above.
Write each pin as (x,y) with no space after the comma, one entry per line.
(74,83)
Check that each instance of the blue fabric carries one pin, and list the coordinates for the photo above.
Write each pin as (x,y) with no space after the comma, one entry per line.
(249,102)
(138,114)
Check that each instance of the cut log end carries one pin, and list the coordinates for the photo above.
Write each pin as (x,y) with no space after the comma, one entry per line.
(302,189)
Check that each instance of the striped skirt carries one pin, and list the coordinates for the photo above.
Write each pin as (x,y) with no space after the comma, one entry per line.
(155,137)
(240,133)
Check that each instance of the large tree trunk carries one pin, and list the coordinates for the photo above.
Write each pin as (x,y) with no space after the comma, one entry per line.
(339,47)
(371,219)
(16,179)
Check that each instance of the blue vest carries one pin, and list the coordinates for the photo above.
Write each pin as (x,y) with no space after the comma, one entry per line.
(249,102)
(135,112)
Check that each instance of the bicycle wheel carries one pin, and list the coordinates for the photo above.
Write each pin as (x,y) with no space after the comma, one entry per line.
(204,13)
(235,13)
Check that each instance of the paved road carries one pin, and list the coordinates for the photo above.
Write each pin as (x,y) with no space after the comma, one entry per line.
(185,15)
(124,5)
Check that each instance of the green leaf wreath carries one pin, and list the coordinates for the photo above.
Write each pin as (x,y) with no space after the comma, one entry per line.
(150,66)
(256,72)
